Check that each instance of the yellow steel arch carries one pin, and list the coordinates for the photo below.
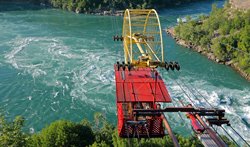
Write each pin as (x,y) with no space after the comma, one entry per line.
(142,37)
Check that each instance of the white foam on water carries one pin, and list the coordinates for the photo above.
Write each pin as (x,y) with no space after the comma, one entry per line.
(53,109)
(80,72)
(234,101)
(69,72)
(55,94)
(20,46)
(29,98)
(23,55)
(32,130)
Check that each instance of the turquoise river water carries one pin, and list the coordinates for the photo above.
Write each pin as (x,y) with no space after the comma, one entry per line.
(59,65)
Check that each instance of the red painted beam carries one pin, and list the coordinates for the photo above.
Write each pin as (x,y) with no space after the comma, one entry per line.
(170,132)
(140,85)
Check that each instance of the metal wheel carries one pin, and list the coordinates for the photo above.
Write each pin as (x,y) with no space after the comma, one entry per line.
(142,37)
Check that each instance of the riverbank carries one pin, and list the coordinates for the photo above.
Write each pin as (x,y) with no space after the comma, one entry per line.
(104,13)
(206,52)
(104,7)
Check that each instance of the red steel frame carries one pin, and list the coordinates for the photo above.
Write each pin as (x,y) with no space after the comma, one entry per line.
(133,89)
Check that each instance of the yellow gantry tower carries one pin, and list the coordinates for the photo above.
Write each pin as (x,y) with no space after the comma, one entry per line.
(142,38)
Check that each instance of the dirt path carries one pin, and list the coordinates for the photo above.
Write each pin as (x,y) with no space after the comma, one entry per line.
(240,4)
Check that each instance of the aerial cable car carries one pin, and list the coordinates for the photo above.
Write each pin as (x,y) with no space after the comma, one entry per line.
(138,84)
(140,90)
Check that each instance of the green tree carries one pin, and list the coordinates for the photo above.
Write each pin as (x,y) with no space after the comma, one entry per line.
(225,28)
(64,133)
(11,132)
(225,33)
(103,130)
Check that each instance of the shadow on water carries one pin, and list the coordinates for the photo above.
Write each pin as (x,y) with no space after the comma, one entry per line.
(21,5)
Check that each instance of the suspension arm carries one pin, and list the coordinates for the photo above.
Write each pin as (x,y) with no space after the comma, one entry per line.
(201,111)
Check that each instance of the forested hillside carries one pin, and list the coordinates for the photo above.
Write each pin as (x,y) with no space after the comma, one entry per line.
(225,34)
(92,6)
(99,5)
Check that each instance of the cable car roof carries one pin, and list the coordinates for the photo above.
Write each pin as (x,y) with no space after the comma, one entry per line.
(139,86)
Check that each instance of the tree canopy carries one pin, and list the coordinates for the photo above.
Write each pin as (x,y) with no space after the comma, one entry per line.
(225,33)
(61,133)
(101,5)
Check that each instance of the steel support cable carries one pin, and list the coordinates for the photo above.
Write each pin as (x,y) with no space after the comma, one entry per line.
(184,106)
(218,142)
(161,17)
(239,136)
(211,133)
(223,128)
(112,21)
(115,21)
(229,135)
(116,24)
(245,52)
(178,113)
(218,133)
(173,99)
(240,50)
(184,92)
(114,28)
(230,126)
(175,141)
(204,98)
(213,107)
(133,2)
(171,24)
(190,90)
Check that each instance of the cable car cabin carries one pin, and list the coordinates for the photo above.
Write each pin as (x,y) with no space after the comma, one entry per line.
(139,88)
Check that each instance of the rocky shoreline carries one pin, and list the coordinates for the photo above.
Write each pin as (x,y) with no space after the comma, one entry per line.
(103,13)
(203,51)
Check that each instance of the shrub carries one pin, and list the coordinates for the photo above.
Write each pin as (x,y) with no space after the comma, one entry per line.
(64,133)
